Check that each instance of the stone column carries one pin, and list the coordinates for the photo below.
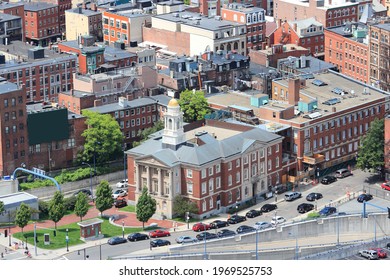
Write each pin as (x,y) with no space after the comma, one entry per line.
(148,178)
(170,185)
(138,178)
(159,180)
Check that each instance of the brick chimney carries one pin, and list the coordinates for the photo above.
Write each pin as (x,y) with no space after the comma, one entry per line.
(93,7)
(294,86)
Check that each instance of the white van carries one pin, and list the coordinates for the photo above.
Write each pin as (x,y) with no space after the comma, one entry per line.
(290,196)
(342,173)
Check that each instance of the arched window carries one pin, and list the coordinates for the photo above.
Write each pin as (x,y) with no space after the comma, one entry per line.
(235,46)
(169,123)
(248,19)
(235,17)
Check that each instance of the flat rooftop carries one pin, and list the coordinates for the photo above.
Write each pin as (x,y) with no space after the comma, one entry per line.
(327,4)
(6,87)
(38,6)
(286,48)
(347,30)
(218,132)
(190,18)
(85,12)
(15,198)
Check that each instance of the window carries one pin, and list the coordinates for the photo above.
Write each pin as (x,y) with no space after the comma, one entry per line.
(71,142)
(254,156)
(204,173)
(218,182)
(246,174)
(217,168)
(230,181)
(189,173)
(229,165)
(254,170)
(269,150)
(269,164)
(204,187)
(211,205)
(190,186)
(246,159)
(211,185)
(238,163)
(211,171)
(238,177)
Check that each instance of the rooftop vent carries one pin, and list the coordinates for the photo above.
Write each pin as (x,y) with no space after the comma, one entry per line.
(332,101)
(318,83)
(338,91)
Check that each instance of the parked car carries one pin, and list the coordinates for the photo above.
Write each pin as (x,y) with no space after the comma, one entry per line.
(235,219)
(119,193)
(207,235)
(253,213)
(122,184)
(84,191)
(225,233)
(305,207)
(326,211)
(277,220)
(386,186)
(159,233)
(364,197)
(262,225)
(245,229)
(342,173)
(268,207)
(328,180)
(200,227)
(120,202)
(290,196)
(116,240)
(388,246)
(186,239)
(381,253)
(218,224)
(279,189)
(137,236)
(313,196)
(369,254)
(159,243)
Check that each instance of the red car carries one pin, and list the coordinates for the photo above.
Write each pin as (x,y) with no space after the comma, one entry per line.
(386,186)
(200,227)
(381,253)
(159,233)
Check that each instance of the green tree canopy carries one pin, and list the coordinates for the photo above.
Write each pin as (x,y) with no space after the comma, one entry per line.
(103,137)
(1,207)
(104,199)
(371,150)
(146,207)
(194,105)
(181,205)
(148,131)
(23,215)
(56,208)
(81,207)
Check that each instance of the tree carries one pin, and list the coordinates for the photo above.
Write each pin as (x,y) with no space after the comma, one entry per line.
(181,205)
(194,105)
(144,134)
(81,207)
(104,199)
(2,209)
(146,207)
(103,137)
(23,215)
(371,150)
(56,208)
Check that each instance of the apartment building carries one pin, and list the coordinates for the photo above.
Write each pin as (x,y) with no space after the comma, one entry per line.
(329,13)
(253,17)
(379,59)
(43,72)
(15,22)
(41,23)
(133,116)
(216,164)
(13,127)
(11,28)
(346,47)
(190,34)
(124,26)
(307,33)
(81,21)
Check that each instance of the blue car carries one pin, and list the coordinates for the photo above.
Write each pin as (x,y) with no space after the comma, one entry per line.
(327,211)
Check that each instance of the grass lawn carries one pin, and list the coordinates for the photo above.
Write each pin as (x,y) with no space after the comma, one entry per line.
(128,208)
(73,232)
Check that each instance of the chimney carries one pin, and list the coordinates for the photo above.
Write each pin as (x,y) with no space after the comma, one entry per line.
(97,102)
(93,7)
(294,86)
(84,5)
(334,109)
(279,23)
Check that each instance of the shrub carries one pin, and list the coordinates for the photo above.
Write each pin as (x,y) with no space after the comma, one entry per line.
(70,203)
(313,215)
(43,207)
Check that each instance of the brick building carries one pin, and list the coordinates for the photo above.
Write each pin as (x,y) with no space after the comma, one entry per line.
(253,17)
(307,33)
(15,10)
(124,26)
(13,127)
(270,56)
(133,116)
(216,165)
(329,13)
(387,147)
(80,21)
(379,59)
(43,72)
(190,33)
(346,47)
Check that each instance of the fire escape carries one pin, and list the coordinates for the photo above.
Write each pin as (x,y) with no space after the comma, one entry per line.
(285,38)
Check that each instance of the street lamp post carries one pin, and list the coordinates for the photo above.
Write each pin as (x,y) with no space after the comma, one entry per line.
(257,244)
(236,208)
(26,242)
(94,156)
(123,229)
(67,240)
(9,228)
(90,179)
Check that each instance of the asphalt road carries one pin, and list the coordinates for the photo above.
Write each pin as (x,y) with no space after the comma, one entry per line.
(355,183)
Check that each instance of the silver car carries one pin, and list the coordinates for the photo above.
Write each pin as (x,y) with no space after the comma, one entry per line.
(186,239)
(262,225)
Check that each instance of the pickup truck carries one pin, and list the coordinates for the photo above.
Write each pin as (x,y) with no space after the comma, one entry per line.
(369,254)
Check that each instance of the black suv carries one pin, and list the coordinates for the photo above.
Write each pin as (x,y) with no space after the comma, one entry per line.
(218,224)
(245,229)
(313,196)
(253,213)
(305,207)
(328,179)
(236,219)
(120,202)
(268,207)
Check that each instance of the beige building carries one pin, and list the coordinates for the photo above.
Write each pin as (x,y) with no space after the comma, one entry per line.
(80,21)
